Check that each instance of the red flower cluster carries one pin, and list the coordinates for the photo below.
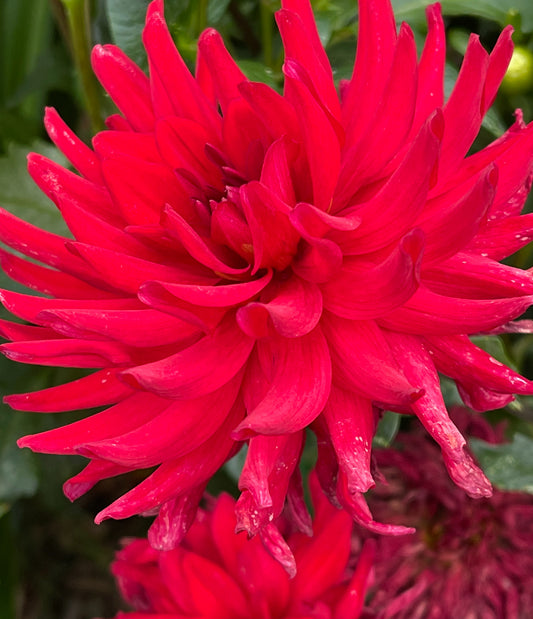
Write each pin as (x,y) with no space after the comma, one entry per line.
(216,574)
(468,558)
(247,264)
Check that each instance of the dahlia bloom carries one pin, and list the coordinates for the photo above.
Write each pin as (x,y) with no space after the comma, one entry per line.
(216,574)
(468,558)
(247,264)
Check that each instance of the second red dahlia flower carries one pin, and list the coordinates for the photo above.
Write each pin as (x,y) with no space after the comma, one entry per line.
(246,264)
(215,574)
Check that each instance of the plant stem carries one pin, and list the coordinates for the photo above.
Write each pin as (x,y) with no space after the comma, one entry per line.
(202,15)
(266,32)
(78,21)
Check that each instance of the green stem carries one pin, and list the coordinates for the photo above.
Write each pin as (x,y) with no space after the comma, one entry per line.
(266,32)
(202,15)
(78,21)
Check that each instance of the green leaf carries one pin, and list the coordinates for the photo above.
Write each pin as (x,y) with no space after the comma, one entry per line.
(488,9)
(22,472)
(449,392)
(509,466)
(21,196)
(493,344)
(233,467)
(258,72)
(126,21)
(216,10)
(179,13)
(496,10)
(387,429)
(52,71)
(525,9)
(335,17)
(15,127)
(25,30)
(18,473)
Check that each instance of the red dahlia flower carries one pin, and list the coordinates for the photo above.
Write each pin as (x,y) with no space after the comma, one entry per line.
(215,574)
(468,558)
(245,265)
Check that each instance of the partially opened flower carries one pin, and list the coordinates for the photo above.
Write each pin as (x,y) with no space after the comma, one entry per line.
(245,265)
(216,574)
(468,558)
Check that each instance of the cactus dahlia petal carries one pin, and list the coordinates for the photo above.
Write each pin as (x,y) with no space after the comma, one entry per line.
(245,265)
(215,573)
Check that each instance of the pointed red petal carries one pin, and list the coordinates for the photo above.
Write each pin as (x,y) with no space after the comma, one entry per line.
(76,151)
(463,214)
(270,460)
(302,44)
(457,357)
(174,90)
(199,369)
(131,413)
(225,73)
(324,162)
(351,425)
(48,281)
(274,237)
(375,51)
(301,378)
(363,290)
(427,313)
(98,389)
(294,310)
(174,519)
(126,84)
(363,362)
(176,477)
(139,328)
(355,505)
(215,296)
(463,110)
(431,410)
(474,277)
(175,431)
(68,353)
(431,67)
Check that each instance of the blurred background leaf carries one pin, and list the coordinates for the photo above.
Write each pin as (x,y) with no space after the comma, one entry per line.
(20,195)
(497,10)
(387,429)
(126,21)
(509,466)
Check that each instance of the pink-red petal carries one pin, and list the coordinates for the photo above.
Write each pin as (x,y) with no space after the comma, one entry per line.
(126,84)
(363,362)
(300,374)
(431,411)
(294,310)
(175,431)
(98,389)
(350,420)
(200,369)
(362,290)
(177,477)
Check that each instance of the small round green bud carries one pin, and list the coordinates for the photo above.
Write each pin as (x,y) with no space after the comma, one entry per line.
(519,76)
